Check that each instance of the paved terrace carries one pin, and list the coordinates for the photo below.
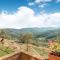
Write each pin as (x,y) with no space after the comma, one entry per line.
(20,56)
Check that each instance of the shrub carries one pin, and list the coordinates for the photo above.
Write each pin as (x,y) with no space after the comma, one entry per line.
(55,48)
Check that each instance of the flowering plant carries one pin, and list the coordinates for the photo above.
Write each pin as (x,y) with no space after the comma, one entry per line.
(55,48)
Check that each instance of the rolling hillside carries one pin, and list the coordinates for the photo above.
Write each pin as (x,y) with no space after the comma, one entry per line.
(47,32)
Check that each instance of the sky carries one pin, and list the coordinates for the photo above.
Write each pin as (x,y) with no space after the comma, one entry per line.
(29,13)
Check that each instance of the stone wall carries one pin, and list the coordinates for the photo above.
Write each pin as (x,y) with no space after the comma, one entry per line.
(20,56)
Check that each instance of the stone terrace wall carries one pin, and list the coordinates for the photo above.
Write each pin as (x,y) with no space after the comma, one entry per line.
(20,56)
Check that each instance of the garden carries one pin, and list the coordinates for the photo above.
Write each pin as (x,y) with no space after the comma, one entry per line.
(5,50)
(54,51)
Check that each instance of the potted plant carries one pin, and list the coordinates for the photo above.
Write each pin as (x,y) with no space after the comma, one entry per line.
(54,51)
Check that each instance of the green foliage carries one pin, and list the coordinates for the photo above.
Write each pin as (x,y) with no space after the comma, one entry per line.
(55,46)
(2,53)
(47,33)
(5,50)
(24,38)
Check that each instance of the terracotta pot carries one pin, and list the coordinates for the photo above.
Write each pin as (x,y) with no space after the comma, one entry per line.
(53,57)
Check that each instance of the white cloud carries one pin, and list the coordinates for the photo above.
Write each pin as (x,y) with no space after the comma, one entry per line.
(42,5)
(43,1)
(31,3)
(25,17)
(53,20)
(57,0)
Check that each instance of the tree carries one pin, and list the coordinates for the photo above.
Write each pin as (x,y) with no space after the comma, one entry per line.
(2,36)
(2,33)
(2,40)
(25,38)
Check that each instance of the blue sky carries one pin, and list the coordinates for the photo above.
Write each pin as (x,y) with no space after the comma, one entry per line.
(12,5)
(40,13)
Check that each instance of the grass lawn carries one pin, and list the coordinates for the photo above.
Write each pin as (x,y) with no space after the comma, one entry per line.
(2,53)
(42,52)
(5,51)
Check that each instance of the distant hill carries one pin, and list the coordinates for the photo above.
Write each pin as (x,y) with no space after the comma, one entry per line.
(47,32)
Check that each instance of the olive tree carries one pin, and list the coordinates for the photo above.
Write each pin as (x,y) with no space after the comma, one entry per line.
(25,38)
